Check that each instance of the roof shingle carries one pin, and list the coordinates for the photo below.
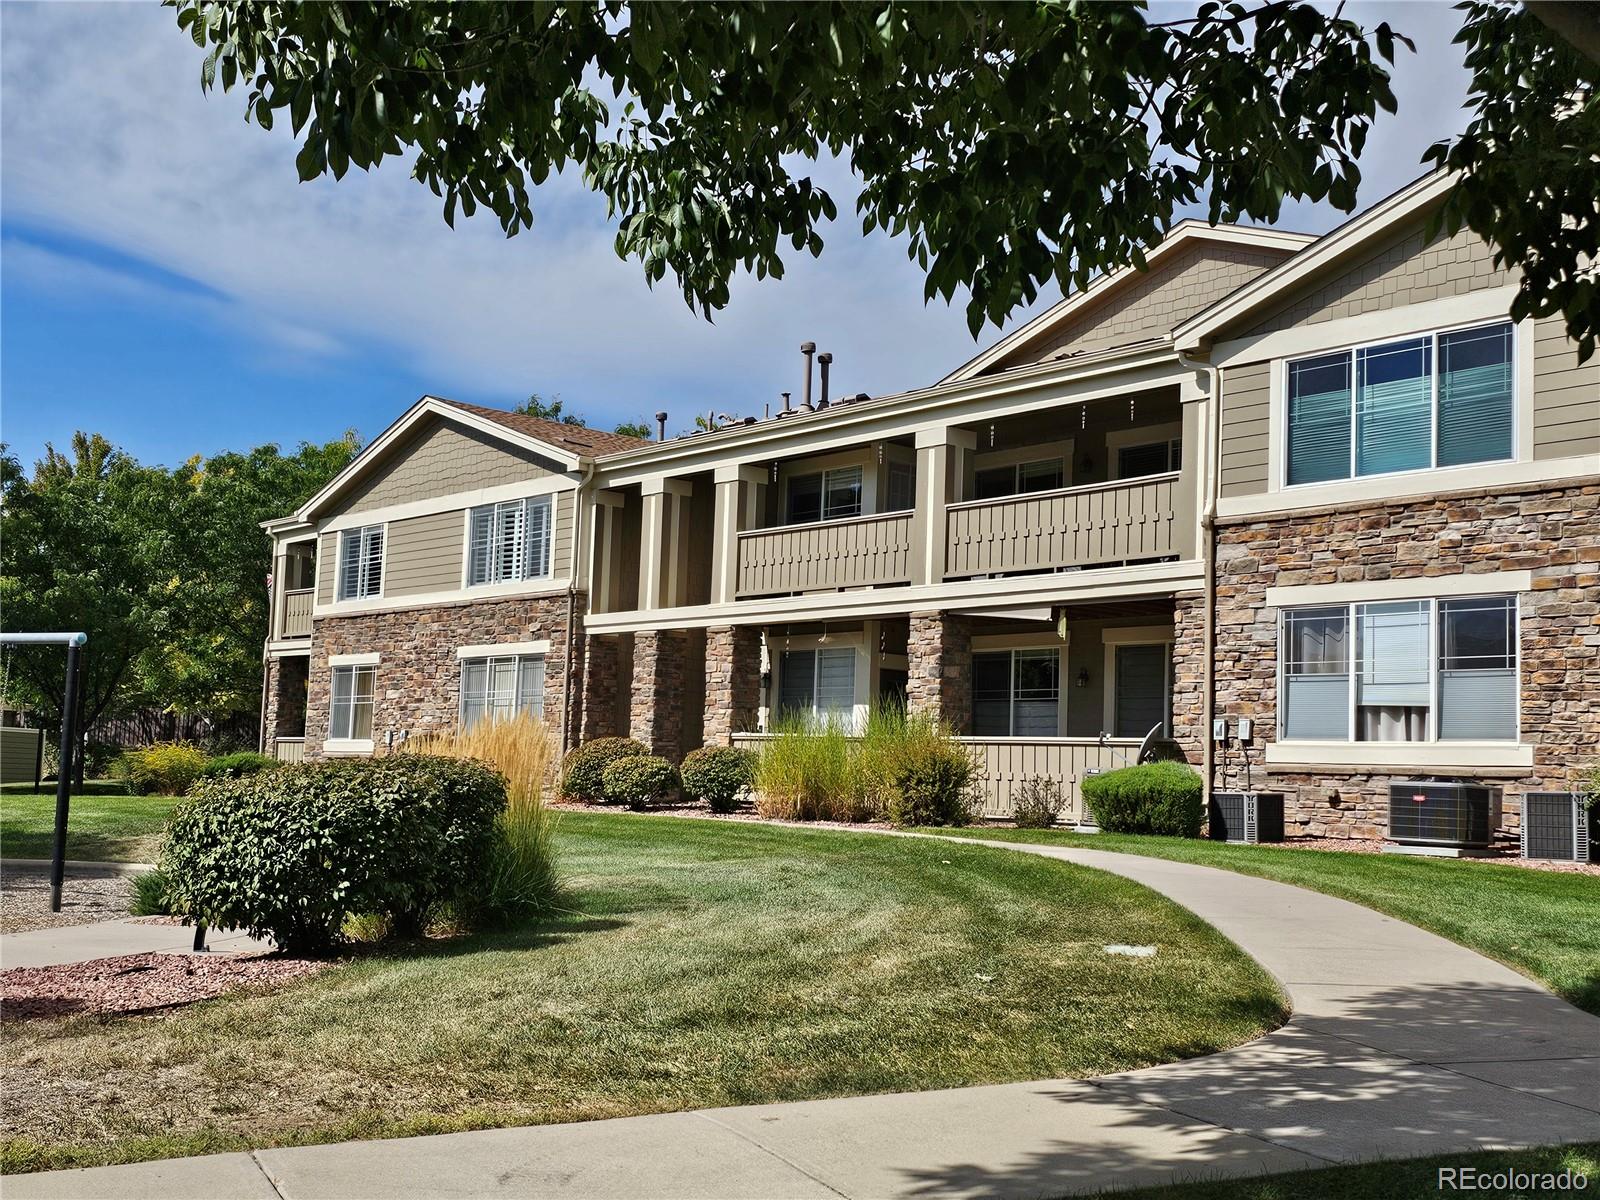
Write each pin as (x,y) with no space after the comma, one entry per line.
(577,439)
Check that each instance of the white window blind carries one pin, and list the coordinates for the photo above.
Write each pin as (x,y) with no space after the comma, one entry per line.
(819,683)
(361,562)
(1016,693)
(500,687)
(350,702)
(1478,668)
(509,541)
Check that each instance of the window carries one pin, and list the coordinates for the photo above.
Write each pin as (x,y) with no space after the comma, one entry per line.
(1419,670)
(1443,399)
(902,494)
(501,687)
(509,541)
(1016,693)
(820,683)
(350,703)
(1143,688)
(361,562)
(1153,458)
(827,496)
(1016,479)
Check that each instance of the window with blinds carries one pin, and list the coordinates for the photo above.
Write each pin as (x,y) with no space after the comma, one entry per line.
(1444,399)
(361,562)
(500,687)
(1142,690)
(817,683)
(1152,458)
(1018,479)
(1016,693)
(350,703)
(1402,671)
(509,541)
(826,496)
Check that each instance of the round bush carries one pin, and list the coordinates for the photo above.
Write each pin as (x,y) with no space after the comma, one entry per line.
(932,783)
(287,854)
(162,769)
(583,772)
(1159,797)
(638,779)
(718,775)
(237,764)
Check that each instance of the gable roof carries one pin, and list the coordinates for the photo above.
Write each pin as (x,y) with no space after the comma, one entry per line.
(1182,236)
(569,445)
(1330,250)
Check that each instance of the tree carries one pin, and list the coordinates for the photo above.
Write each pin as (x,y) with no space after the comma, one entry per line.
(548,410)
(1009,144)
(638,429)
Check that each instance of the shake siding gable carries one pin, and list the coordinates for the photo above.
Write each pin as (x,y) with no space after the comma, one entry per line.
(440,459)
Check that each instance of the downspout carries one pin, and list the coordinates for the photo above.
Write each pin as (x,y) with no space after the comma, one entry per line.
(1208,550)
(572,604)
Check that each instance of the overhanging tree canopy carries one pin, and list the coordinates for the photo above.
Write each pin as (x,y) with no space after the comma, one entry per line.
(1010,144)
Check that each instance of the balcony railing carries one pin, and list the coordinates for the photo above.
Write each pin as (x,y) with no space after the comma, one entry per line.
(297,612)
(1072,527)
(826,555)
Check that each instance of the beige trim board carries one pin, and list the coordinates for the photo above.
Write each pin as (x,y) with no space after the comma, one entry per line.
(1400,756)
(370,659)
(488,651)
(1427,587)
(347,746)
(515,590)
(549,485)
(289,648)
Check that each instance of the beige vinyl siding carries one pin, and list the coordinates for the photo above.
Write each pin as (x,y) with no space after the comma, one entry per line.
(441,459)
(327,566)
(424,554)
(1245,428)
(1153,304)
(1566,395)
(1404,271)
(561,550)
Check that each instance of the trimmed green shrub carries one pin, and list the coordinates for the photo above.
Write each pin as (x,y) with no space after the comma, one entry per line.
(1037,803)
(1159,797)
(164,769)
(151,894)
(718,775)
(290,853)
(933,779)
(583,772)
(237,764)
(638,779)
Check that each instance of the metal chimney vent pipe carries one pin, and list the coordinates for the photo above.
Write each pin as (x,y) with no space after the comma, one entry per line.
(807,349)
(825,360)
(661,427)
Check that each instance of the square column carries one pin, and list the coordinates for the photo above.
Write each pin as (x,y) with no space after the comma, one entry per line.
(733,682)
(939,679)
(738,508)
(656,715)
(942,458)
(605,566)
(664,542)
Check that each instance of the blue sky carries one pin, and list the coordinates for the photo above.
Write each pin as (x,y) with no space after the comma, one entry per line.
(165,280)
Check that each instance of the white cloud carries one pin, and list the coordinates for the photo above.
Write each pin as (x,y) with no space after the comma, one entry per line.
(108,137)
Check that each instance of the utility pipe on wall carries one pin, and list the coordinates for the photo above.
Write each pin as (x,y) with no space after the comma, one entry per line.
(572,597)
(1208,525)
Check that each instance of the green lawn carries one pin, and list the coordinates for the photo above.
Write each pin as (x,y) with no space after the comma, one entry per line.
(104,825)
(1542,923)
(1409,1179)
(702,963)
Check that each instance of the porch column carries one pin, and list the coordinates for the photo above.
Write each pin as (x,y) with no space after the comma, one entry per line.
(605,569)
(738,503)
(663,542)
(602,660)
(941,468)
(939,678)
(733,682)
(656,713)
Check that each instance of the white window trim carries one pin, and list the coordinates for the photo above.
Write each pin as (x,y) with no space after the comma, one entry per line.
(1136,635)
(1420,479)
(347,745)
(1013,644)
(466,545)
(1441,750)
(513,588)
(1435,587)
(552,485)
(1463,755)
(337,745)
(869,492)
(354,660)
(461,680)
(338,569)
(856,640)
(502,649)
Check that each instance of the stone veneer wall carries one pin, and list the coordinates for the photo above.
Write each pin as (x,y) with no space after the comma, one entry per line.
(656,715)
(602,660)
(1553,533)
(418,683)
(939,650)
(286,701)
(733,682)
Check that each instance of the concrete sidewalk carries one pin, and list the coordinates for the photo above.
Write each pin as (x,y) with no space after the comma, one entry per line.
(108,939)
(1401,1044)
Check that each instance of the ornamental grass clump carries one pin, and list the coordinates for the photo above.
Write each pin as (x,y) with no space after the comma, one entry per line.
(718,775)
(804,774)
(932,777)
(520,879)
(290,854)
(1159,797)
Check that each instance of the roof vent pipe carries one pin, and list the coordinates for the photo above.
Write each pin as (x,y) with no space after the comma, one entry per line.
(824,360)
(807,349)
(661,427)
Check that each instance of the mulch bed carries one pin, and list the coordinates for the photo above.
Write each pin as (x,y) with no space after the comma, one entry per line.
(150,984)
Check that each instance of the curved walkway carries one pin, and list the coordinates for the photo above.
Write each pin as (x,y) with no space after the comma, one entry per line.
(1401,1044)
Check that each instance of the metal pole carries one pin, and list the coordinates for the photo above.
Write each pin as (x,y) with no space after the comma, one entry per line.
(69,712)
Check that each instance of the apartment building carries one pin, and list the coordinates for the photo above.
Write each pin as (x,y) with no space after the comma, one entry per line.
(1325,487)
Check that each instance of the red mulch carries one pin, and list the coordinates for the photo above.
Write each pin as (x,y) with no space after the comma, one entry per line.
(138,983)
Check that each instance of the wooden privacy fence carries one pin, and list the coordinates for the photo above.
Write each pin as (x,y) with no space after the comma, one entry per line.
(1073,527)
(826,554)
(1006,763)
(19,753)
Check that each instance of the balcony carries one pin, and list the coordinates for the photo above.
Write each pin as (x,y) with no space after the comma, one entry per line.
(825,555)
(1102,523)
(297,613)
